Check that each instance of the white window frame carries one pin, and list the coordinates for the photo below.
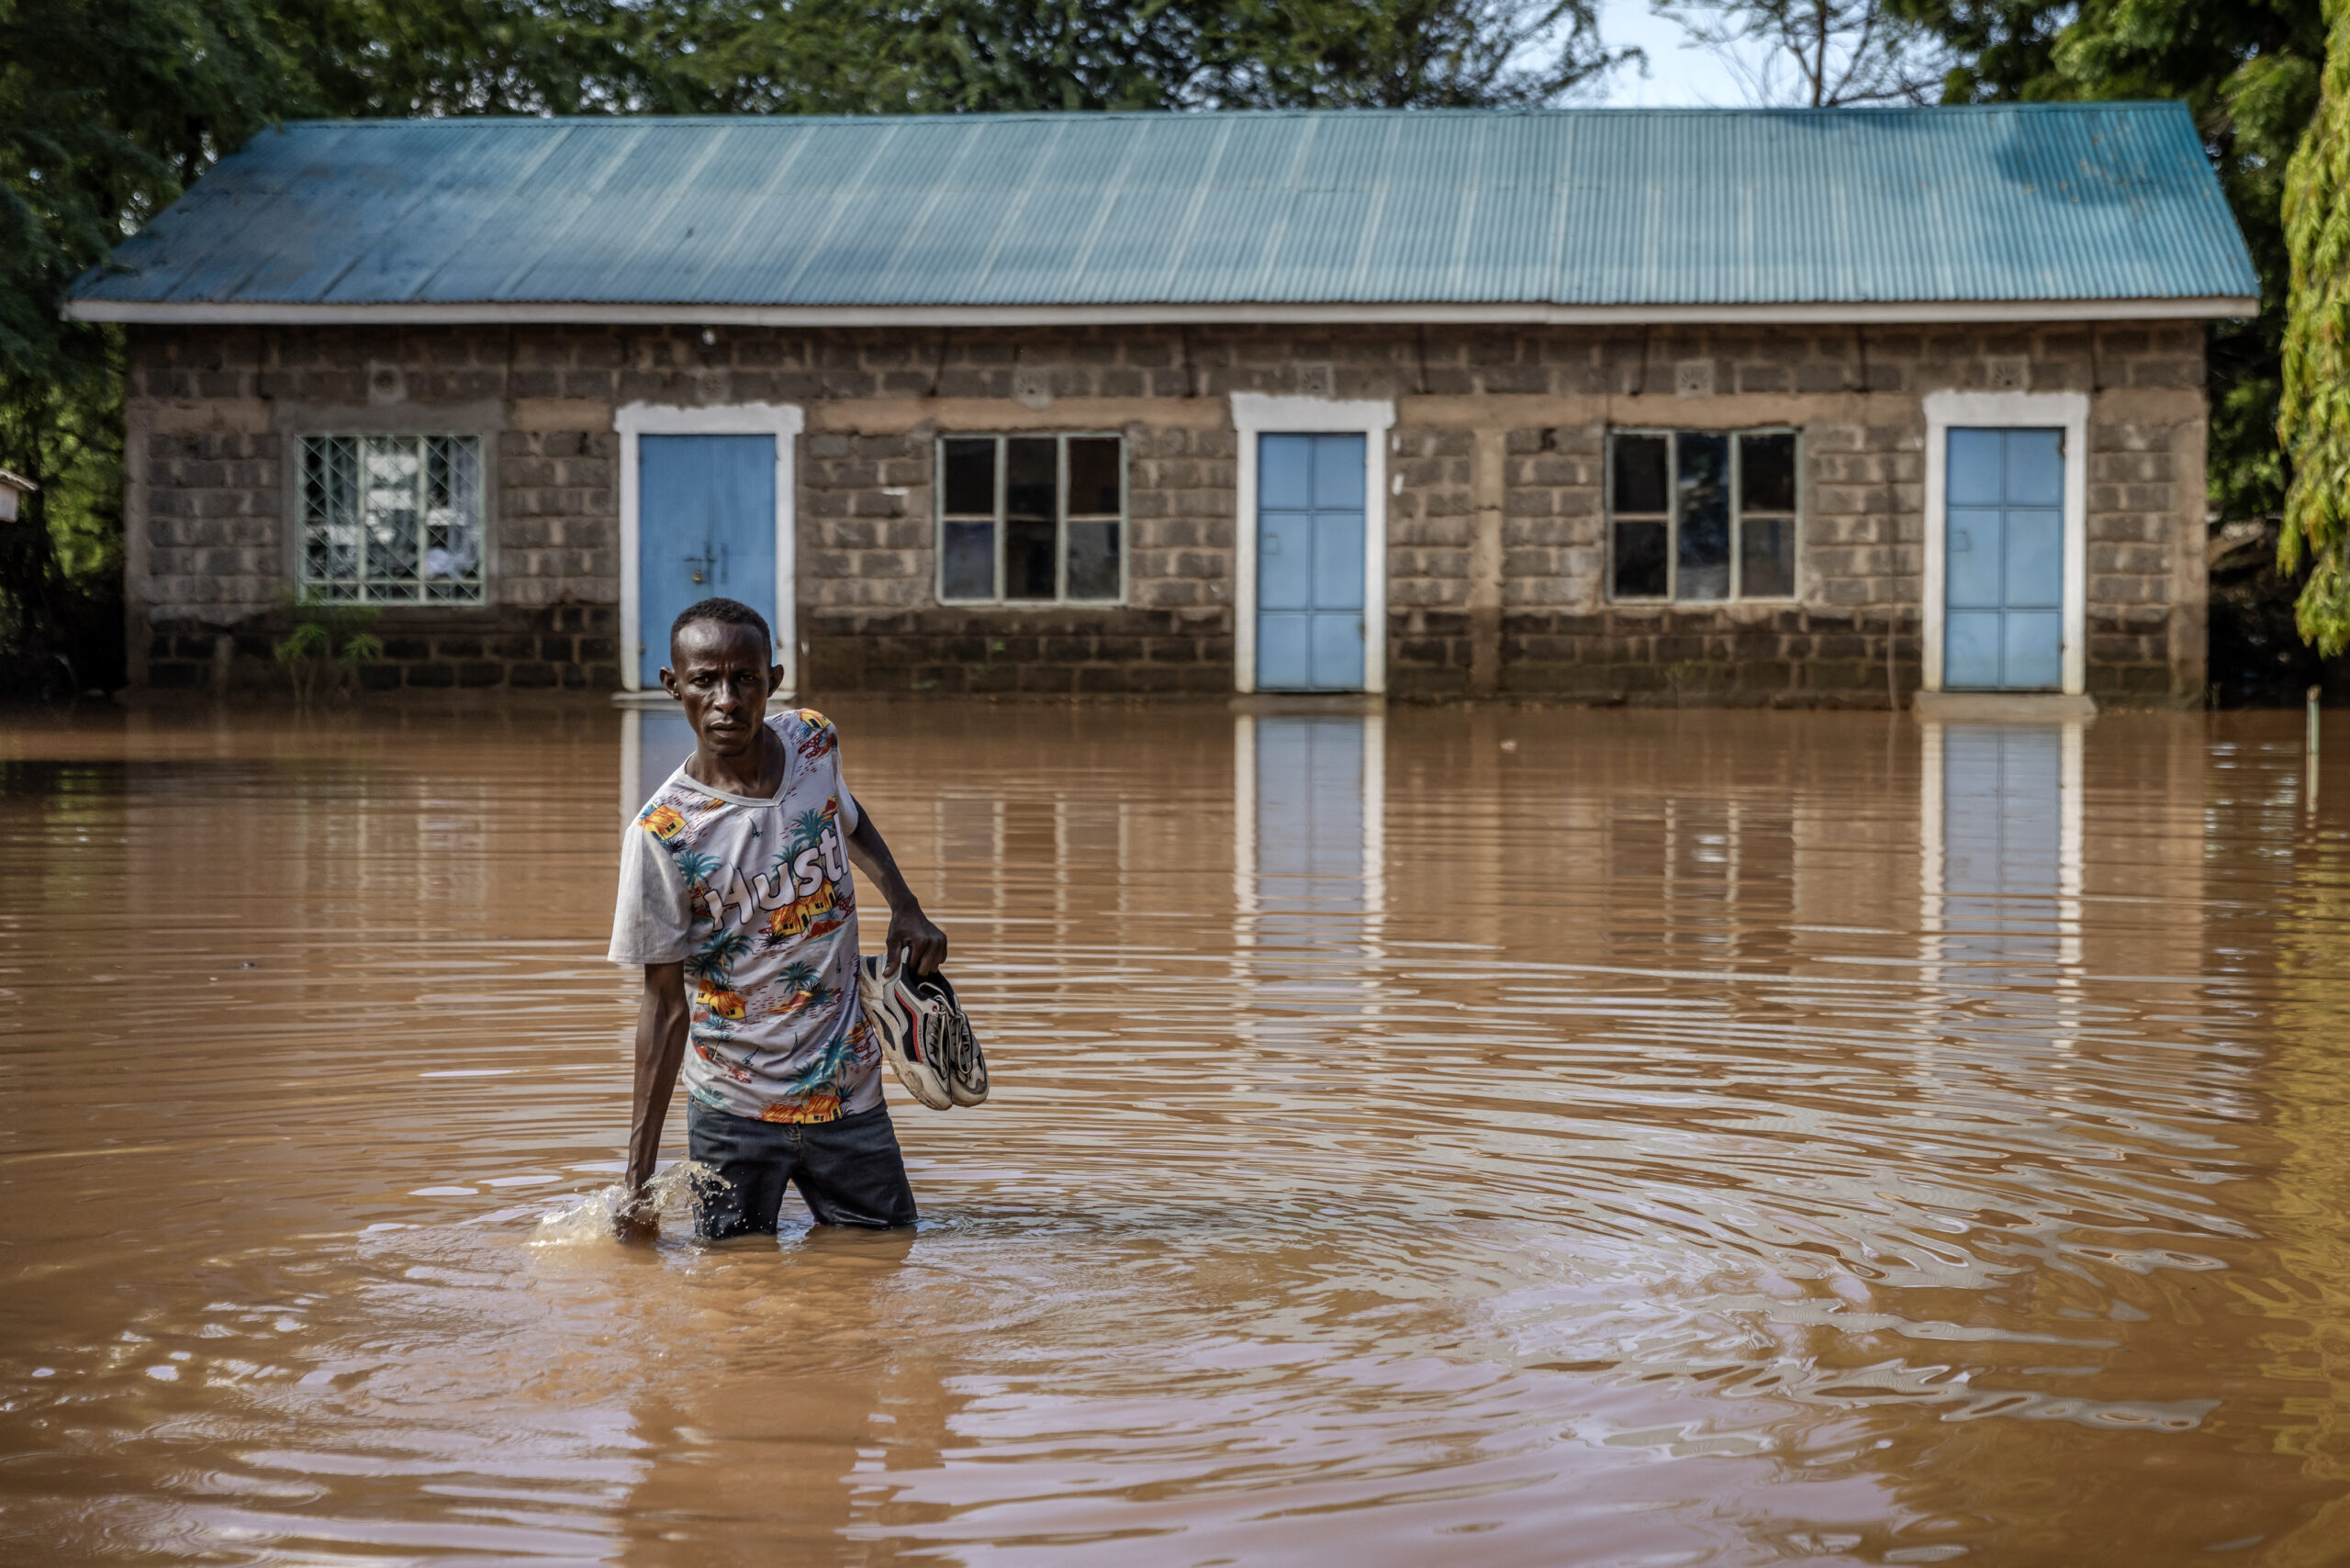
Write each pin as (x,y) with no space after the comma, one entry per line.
(1737,517)
(781,420)
(1061,520)
(1256,414)
(2068,411)
(304,583)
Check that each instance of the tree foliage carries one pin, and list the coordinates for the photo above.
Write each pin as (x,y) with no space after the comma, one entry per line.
(1817,54)
(107,108)
(2248,71)
(2313,421)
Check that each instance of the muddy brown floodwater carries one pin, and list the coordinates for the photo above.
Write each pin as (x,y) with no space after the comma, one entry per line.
(1543,1137)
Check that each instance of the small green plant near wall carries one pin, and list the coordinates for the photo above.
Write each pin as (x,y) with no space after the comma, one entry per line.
(326,647)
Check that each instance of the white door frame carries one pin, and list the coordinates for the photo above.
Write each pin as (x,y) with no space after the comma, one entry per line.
(1257,414)
(2029,411)
(781,420)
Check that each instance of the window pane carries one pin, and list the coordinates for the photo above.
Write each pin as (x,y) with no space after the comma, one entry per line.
(1639,560)
(1640,473)
(1766,556)
(388,493)
(1703,480)
(1767,472)
(1092,560)
(970,478)
(1093,477)
(1027,557)
(1032,475)
(969,569)
(453,515)
(330,500)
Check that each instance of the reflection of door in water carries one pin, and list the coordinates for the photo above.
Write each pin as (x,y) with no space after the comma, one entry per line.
(1310,562)
(2004,532)
(653,746)
(706,528)
(1309,813)
(2002,842)
(1308,828)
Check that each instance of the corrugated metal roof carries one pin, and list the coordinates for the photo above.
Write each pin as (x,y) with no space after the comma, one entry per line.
(1671,208)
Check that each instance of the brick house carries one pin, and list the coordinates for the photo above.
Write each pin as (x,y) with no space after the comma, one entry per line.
(1751,407)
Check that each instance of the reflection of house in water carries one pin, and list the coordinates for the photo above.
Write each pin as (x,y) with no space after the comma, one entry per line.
(2022,827)
(653,743)
(1309,856)
(1999,828)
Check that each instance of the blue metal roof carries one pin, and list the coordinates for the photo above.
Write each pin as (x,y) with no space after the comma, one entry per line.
(1672,210)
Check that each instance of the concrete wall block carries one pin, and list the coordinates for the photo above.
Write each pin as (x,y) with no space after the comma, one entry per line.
(214,495)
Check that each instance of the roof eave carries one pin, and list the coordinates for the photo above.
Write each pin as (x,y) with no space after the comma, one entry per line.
(556,312)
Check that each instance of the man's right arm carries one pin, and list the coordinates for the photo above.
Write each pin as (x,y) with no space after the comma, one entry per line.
(660,1049)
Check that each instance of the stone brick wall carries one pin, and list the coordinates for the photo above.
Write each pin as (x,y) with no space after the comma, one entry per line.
(1498,458)
(1856,398)
(526,647)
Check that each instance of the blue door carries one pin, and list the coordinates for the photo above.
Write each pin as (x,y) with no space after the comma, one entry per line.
(705,529)
(2004,612)
(1309,563)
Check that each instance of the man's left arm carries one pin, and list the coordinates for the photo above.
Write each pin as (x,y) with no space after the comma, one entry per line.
(910,932)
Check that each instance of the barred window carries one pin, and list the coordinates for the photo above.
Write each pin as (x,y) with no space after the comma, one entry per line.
(1701,515)
(1032,519)
(392,519)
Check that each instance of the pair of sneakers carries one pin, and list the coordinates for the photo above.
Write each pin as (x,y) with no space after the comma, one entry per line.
(924,1033)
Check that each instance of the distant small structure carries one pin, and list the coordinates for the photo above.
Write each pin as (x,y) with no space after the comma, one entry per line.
(12,487)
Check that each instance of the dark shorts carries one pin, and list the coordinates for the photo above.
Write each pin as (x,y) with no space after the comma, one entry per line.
(848,1170)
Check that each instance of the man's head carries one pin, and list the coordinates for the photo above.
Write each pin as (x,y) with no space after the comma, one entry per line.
(723,670)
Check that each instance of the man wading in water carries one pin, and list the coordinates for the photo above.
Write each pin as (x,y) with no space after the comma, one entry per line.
(736,895)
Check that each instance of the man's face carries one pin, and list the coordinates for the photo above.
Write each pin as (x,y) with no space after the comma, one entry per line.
(718,673)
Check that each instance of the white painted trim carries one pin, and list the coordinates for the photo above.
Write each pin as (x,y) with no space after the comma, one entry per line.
(1256,414)
(2069,845)
(2069,410)
(1244,829)
(781,420)
(631,762)
(1891,312)
(1374,833)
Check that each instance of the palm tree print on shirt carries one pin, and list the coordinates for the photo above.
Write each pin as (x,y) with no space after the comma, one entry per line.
(716,998)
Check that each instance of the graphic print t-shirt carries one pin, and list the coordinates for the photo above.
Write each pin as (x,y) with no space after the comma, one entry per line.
(755,898)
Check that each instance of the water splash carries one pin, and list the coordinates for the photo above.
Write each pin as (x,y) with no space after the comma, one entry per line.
(590,1217)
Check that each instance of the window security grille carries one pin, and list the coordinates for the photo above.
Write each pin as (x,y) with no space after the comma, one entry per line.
(392,519)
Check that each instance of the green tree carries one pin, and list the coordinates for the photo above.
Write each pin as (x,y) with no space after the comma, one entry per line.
(388,59)
(950,56)
(2249,71)
(1998,47)
(1394,55)
(107,109)
(2313,419)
